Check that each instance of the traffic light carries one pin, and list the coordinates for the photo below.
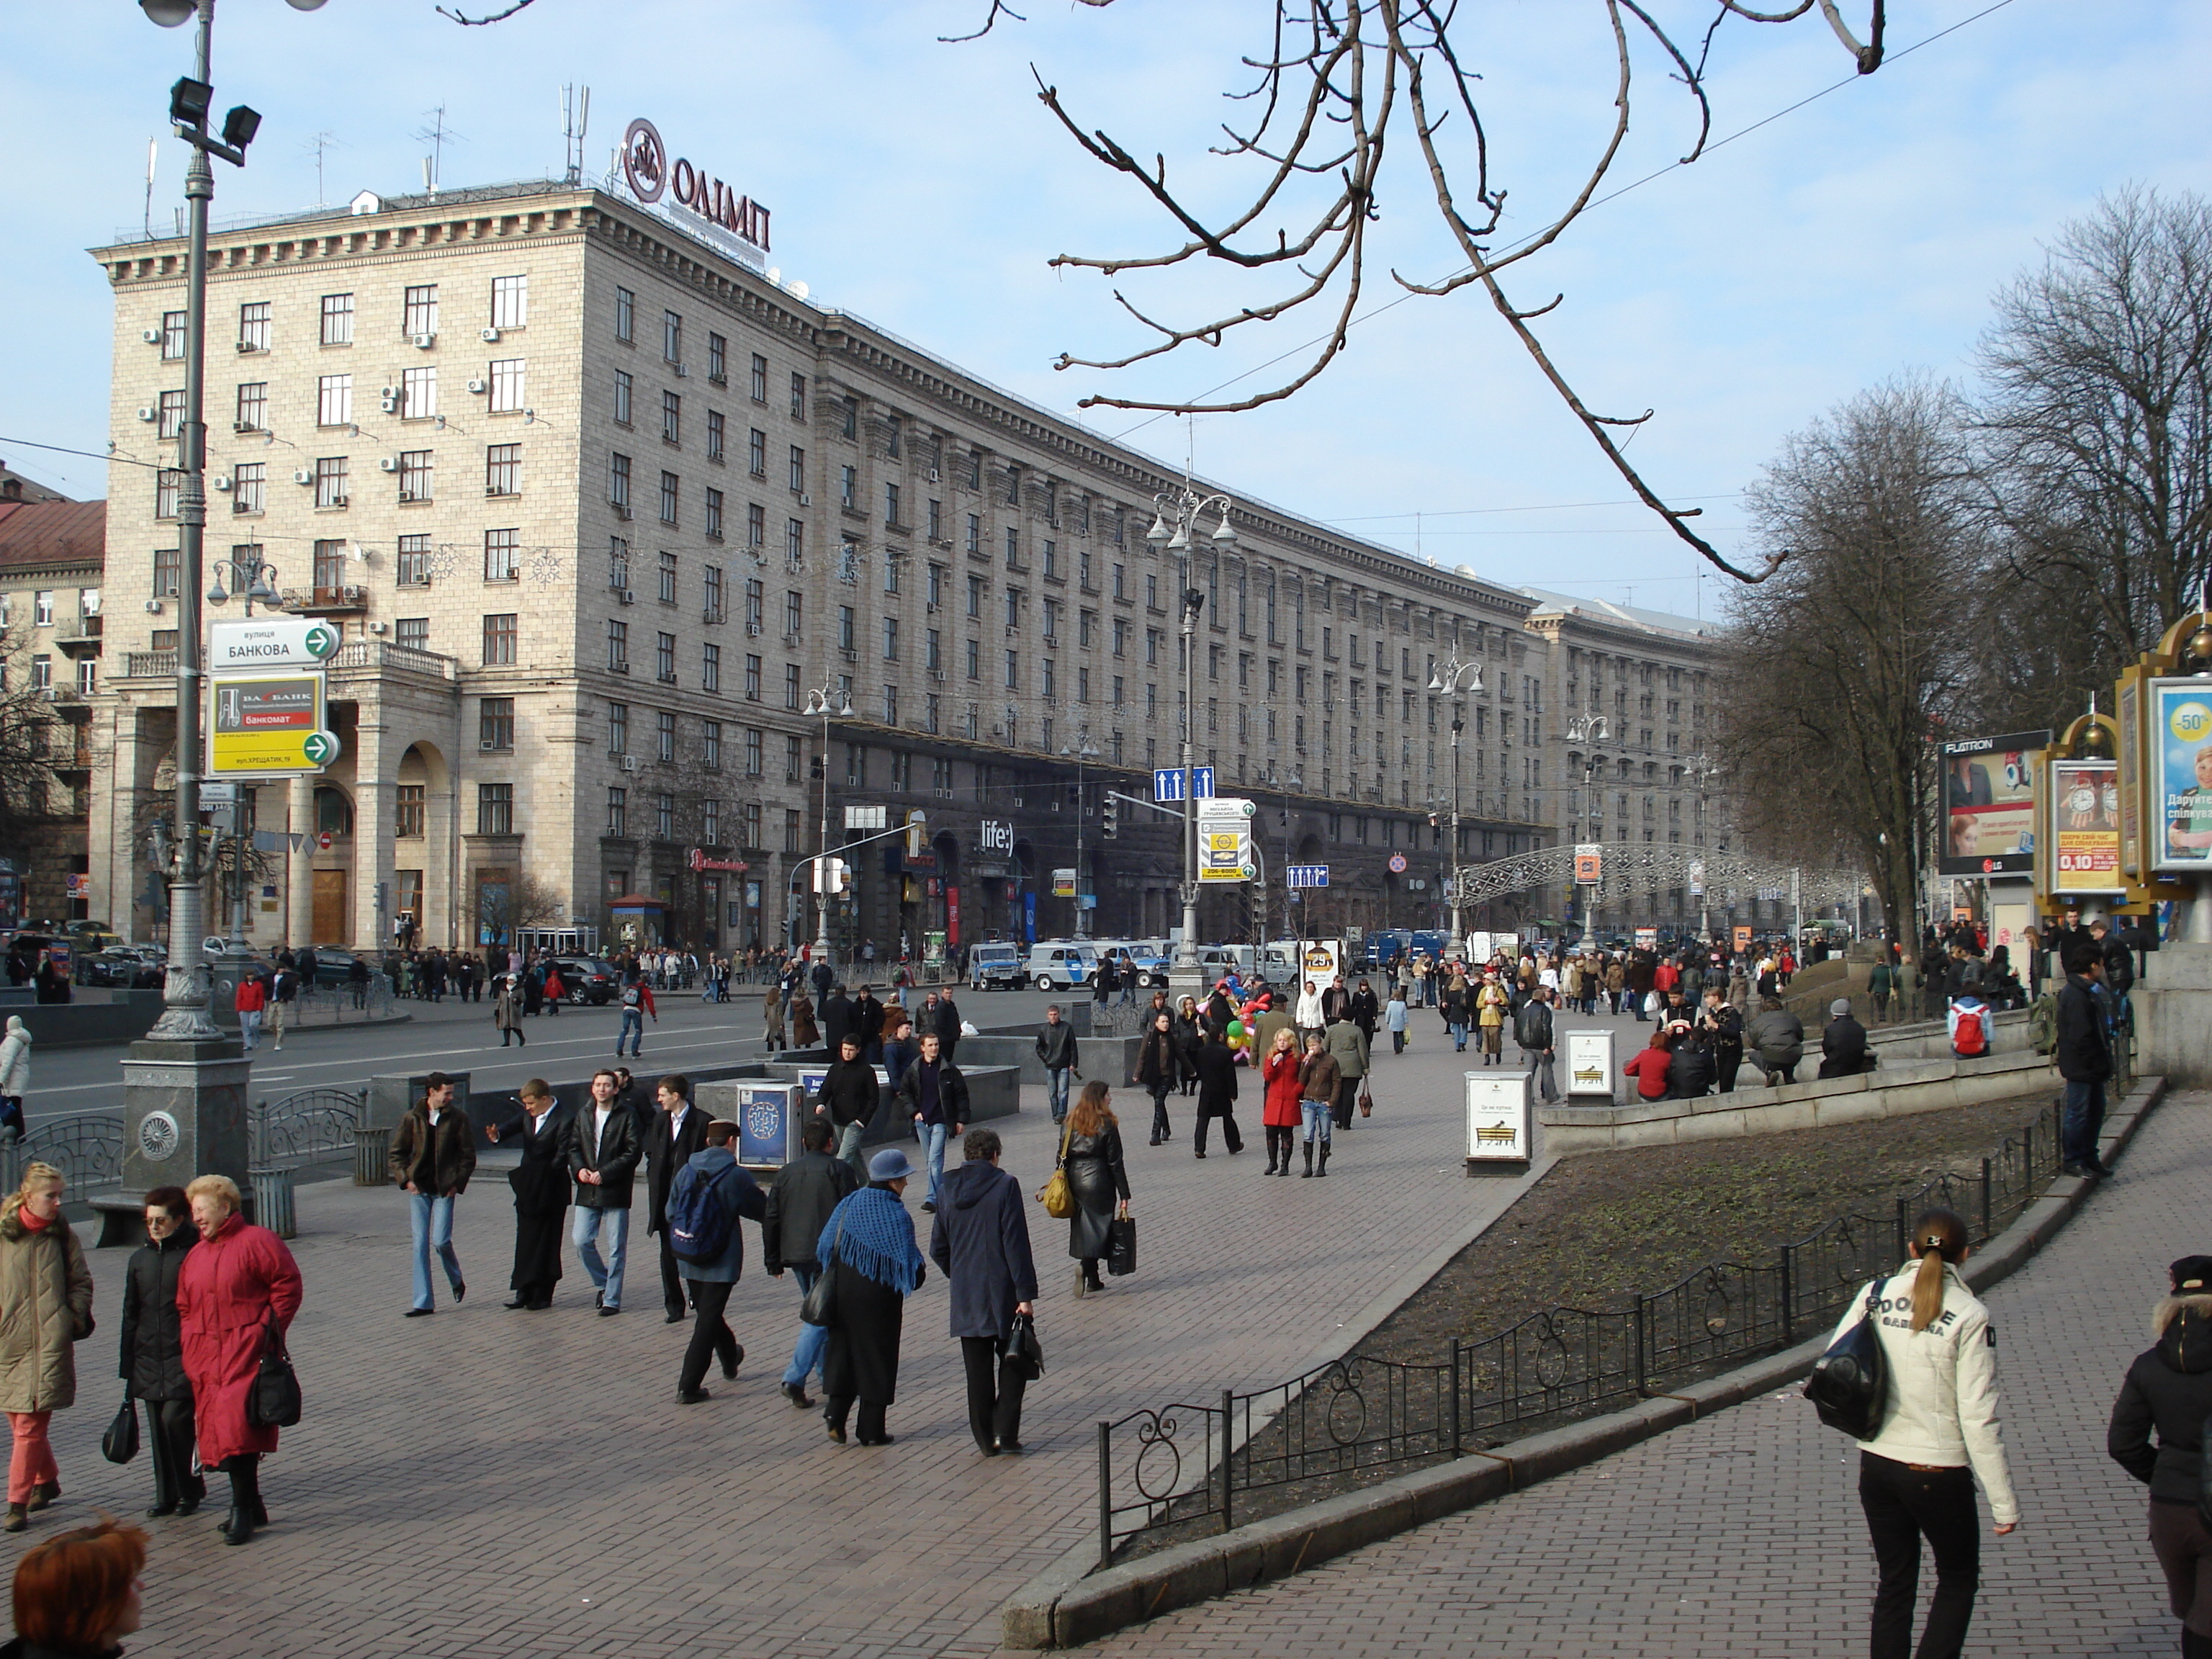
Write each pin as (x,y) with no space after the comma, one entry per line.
(1109,818)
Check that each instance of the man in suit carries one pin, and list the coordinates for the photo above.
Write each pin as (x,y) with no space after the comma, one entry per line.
(541,1192)
(868,1025)
(836,1018)
(604,1149)
(677,1130)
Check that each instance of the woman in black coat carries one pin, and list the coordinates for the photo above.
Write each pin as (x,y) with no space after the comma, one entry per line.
(1096,1177)
(153,1368)
(1184,1027)
(2169,1389)
(1158,1063)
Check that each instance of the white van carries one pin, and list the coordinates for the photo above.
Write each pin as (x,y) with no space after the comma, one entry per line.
(1060,966)
(996,966)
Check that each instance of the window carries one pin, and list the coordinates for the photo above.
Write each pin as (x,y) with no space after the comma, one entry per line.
(618,564)
(331,481)
(791,690)
(791,829)
(845,628)
(1013,486)
(253,405)
(169,415)
(890,639)
(752,676)
(418,393)
(168,563)
(510,301)
(798,397)
(974,659)
(756,452)
(794,614)
(502,469)
(503,558)
(753,742)
(618,810)
(793,760)
(664,659)
(42,673)
(407,811)
(713,514)
(664,815)
(334,400)
(976,598)
(710,745)
(43,607)
(671,485)
(847,488)
(935,521)
(710,668)
(757,525)
(710,825)
(892,561)
(618,481)
(618,647)
(506,386)
(671,419)
(1014,610)
(798,468)
(1014,672)
(622,397)
(338,320)
(498,636)
(413,632)
(718,360)
(618,728)
(253,327)
(664,723)
(625,316)
(891,505)
(495,809)
(1013,549)
(667,567)
(248,484)
(1052,558)
(848,416)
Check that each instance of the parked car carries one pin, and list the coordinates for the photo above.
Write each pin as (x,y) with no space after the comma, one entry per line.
(587,980)
(121,969)
(1053,966)
(996,967)
(334,965)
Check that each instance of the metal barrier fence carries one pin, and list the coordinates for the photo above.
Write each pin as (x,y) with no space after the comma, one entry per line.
(314,1126)
(1170,1467)
(311,1127)
(341,1004)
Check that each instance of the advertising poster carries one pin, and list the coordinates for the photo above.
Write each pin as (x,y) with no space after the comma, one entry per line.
(1590,863)
(1321,960)
(2085,826)
(768,1124)
(2181,772)
(270,724)
(2130,779)
(1497,1120)
(1743,936)
(1224,840)
(1647,939)
(1989,805)
(1589,1064)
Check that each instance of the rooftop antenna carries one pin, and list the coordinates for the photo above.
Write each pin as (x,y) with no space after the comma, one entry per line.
(320,143)
(152,148)
(575,121)
(437,135)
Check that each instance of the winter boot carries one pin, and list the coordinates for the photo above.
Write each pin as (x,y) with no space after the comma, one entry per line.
(1309,1168)
(1324,1159)
(1270,1169)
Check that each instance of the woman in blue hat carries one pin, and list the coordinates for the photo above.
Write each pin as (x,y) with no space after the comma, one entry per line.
(868,1247)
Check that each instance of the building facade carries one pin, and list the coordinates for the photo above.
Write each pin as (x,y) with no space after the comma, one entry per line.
(603,511)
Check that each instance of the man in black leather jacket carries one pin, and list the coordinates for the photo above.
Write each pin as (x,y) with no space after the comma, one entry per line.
(604,1147)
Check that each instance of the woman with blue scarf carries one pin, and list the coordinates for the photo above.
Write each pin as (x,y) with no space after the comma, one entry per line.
(867,1244)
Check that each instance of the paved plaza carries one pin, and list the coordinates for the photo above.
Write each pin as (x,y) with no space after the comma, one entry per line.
(488,1482)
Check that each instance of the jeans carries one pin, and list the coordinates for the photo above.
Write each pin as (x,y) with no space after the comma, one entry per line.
(1540,1062)
(848,1147)
(2085,1117)
(1055,1085)
(430,1219)
(711,1337)
(1319,1114)
(931,1136)
(806,1357)
(607,1231)
(249,1027)
(1459,1034)
(632,1031)
(1902,1505)
(1397,1043)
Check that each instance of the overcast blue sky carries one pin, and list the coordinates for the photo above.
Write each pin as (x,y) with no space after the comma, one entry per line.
(923,186)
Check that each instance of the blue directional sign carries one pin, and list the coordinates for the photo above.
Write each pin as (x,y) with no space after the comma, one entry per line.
(1167,782)
(1309,875)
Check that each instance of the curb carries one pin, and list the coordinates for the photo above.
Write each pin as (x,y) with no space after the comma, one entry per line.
(1067,1605)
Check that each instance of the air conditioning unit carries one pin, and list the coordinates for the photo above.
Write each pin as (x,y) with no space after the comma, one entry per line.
(220,481)
(246,347)
(933,474)
(753,629)
(150,335)
(303,476)
(478,387)
(376,628)
(409,495)
(489,336)
(680,371)
(424,342)
(341,501)
(625,596)
(387,464)
(806,500)
(153,607)
(487,743)
(849,652)
(630,763)
(244,426)
(622,512)
(933,607)
(148,412)
(494,489)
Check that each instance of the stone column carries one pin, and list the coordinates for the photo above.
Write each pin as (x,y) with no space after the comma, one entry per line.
(376,783)
(300,864)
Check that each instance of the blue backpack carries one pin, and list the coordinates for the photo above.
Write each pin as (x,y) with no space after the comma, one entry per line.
(699,1221)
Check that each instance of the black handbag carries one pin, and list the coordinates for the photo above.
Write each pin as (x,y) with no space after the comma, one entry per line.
(1024,1354)
(1849,1383)
(275,1401)
(1121,1246)
(819,1305)
(120,1444)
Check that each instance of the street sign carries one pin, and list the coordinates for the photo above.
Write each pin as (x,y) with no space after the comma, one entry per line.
(1590,862)
(1167,782)
(1063,884)
(1224,840)
(326,840)
(218,795)
(268,725)
(867,818)
(270,642)
(1309,875)
(1397,864)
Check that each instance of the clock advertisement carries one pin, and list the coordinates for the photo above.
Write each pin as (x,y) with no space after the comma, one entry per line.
(2085,826)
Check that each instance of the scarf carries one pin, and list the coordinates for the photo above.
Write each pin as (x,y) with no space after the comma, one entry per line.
(876,1241)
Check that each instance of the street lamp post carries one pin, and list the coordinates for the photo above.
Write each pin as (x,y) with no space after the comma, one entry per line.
(1456,677)
(1296,780)
(1080,750)
(1175,528)
(1589,728)
(1702,768)
(828,701)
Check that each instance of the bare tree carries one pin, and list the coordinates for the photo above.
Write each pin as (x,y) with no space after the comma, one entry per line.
(1843,670)
(34,741)
(2100,424)
(522,900)
(1336,79)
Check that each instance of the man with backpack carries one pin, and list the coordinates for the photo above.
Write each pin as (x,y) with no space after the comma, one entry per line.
(676,1134)
(636,1004)
(710,1193)
(1969,1021)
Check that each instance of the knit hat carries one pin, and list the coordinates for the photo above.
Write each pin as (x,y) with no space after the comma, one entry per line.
(1839,1007)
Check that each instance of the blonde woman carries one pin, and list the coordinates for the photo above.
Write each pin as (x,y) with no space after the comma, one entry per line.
(45,1309)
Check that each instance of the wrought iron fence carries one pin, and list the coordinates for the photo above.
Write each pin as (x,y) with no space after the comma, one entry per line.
(1169,1471)
(314,1126)
(88,1149)
(343,1004)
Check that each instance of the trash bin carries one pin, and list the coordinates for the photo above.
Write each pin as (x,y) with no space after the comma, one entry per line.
(272,1201)
(372,1151)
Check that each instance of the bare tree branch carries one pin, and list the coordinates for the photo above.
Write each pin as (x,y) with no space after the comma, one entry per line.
(481,22)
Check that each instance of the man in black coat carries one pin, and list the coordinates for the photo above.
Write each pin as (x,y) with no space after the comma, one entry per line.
(835,1017)
(824,977)
(948,1025)
(980,1240)
(1217,1092)
(2085,1059)
(1844,1043)
(1366,1012)
(541,1192)
(868,1025)
(1533,1031)
(604,1146)
(848,1098)
(799,1200)
(676,1131)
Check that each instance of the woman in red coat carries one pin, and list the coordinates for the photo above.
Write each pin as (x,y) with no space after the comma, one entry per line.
(233,1285)
(1280,1115)
(1648,1065)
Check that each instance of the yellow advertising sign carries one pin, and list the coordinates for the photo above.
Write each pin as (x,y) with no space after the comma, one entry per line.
(268,724)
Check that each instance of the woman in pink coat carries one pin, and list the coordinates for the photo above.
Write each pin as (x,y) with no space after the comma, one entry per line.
(233,1285)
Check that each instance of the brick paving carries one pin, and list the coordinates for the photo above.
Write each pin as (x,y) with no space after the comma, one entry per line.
(1742,1534)
(492,1482)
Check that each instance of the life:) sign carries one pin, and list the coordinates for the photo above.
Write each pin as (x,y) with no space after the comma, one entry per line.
(646,170)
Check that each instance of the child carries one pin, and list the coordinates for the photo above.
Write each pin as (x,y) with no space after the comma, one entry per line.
(1395,1018)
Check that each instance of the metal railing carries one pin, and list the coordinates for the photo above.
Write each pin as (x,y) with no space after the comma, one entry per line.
(315,1126)
(1172,1471)
(88,1149)
(343,1004)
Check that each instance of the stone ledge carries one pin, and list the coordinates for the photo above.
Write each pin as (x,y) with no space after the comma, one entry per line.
(1070,1604)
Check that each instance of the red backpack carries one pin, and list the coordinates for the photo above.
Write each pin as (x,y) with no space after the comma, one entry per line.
(1968,1041)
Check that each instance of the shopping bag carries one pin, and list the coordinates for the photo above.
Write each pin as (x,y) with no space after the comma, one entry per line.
(1120,1247)
(120,1444)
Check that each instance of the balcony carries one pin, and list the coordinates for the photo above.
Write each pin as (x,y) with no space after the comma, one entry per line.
(324,601)
(79,637)
(377,657)
(73,765)
(149,664)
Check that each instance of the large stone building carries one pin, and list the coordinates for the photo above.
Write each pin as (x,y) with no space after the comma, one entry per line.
(602,508)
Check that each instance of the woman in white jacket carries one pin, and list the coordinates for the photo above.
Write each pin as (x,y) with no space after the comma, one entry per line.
(1940,1418)
(15,1077)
